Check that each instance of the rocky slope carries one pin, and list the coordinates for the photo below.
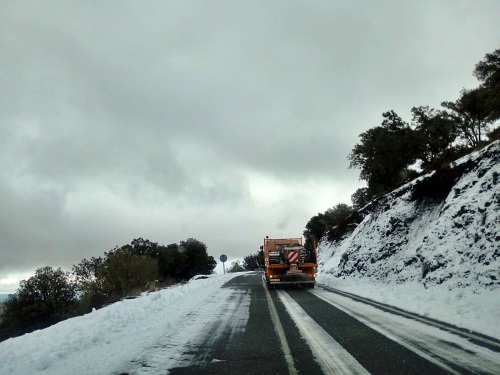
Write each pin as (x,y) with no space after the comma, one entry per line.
(442,228)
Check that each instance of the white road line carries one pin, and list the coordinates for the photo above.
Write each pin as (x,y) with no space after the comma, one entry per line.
(431,343)
(330,355)
(413,316)
(281,334)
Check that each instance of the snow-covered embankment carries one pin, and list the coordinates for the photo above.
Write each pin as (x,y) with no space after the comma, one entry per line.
(431,246)
(112,338)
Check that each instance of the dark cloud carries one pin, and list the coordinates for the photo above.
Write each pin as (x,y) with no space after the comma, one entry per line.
(218,120)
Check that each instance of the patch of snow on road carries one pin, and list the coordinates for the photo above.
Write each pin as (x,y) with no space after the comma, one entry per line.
(330,355)
(438,346)
(231,317)
(464,308)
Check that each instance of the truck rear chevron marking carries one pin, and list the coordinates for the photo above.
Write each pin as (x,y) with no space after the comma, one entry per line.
(293,256)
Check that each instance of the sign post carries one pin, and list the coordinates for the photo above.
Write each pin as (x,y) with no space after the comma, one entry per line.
(223,259)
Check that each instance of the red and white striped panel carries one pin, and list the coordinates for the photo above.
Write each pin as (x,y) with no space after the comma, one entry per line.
(293,256)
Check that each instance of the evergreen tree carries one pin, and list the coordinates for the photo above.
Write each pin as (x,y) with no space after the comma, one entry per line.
(487,72)
(235,267)
(89,284)
(434,132)
(384,154)
(254,262)
(360,198)
(172,263)
(337,214)
(470,115)
(44,299)
(140,246)
(315,229)
(124,273)
(198,260)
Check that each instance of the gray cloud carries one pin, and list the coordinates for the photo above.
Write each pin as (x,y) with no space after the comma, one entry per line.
(170,120)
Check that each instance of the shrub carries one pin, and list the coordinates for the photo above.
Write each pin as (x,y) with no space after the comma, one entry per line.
(40,301)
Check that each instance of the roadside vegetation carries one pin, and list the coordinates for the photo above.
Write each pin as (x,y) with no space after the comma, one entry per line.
(252,262)
(52,295)
(397,151)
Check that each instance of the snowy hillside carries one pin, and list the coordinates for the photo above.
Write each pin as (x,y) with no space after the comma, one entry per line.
(435,237)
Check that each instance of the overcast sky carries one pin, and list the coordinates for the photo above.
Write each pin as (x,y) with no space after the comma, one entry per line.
(224,121)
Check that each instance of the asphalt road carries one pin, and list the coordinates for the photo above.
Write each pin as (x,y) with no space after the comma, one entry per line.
(299,331)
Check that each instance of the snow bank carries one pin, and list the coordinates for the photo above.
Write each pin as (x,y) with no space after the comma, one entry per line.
(108,339)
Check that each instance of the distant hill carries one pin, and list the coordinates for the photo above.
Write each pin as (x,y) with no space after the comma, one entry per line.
(442,228)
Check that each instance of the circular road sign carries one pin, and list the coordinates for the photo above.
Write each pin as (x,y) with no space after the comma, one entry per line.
(223,258)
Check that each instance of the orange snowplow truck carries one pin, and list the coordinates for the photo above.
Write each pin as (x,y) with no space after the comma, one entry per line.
(287,262)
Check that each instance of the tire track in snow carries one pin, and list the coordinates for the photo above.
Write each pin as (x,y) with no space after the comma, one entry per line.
(281,334)
(231,318)
(453,353)
(487,341)
(226,310)
(331,356)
